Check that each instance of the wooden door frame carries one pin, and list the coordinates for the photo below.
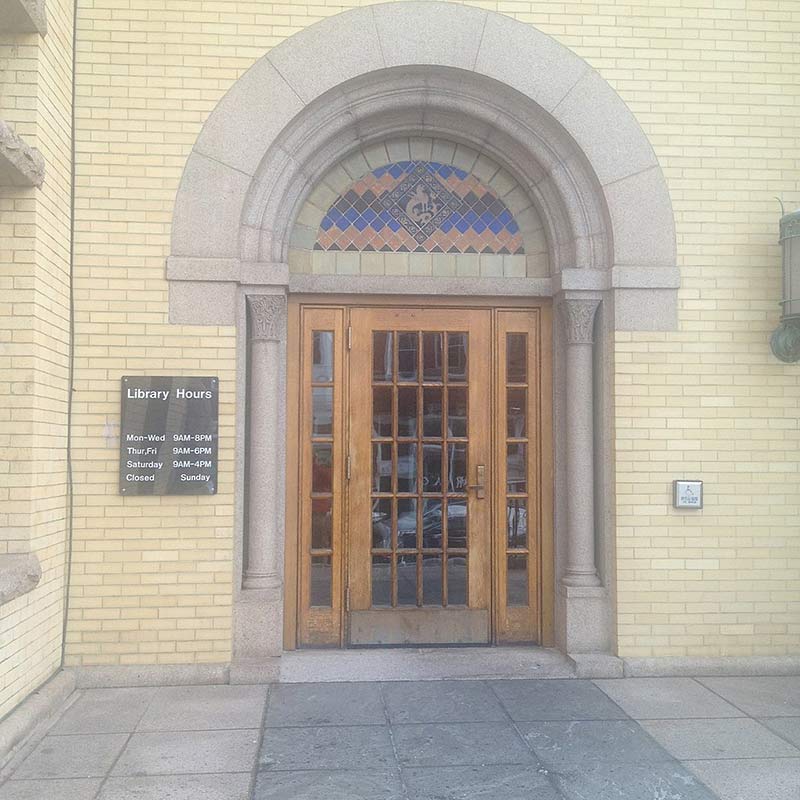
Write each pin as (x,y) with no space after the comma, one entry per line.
(546,456)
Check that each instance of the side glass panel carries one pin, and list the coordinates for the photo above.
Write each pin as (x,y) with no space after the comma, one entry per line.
(517,484)
(420,442)
(321,500)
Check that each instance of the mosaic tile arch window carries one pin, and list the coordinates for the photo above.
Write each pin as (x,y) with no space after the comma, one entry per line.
(420,207)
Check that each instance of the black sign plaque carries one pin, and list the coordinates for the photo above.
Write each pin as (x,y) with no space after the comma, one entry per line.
(168,440)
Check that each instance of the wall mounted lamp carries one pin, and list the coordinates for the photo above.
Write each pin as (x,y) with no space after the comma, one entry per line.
(785,339)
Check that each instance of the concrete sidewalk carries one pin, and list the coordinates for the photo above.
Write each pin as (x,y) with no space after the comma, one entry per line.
(627,739)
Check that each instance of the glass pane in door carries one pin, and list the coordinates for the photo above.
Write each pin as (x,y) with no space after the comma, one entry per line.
(420,444)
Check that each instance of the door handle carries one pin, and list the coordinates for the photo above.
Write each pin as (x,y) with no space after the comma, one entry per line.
(479,487)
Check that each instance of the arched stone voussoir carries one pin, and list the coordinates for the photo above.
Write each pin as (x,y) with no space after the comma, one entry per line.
(528,60)
(249,117)
(642,221)
(452,33)
(329,53)
(605,129)
(208,209)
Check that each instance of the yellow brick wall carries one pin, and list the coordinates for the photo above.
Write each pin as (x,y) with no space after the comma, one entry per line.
(35,97)
(715,90)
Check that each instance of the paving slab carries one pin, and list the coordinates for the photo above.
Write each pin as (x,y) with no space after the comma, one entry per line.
(787,727)
(69,789)
(777,696)
(317,704)
(750,779)
(199,708)
(104,711)
(75,756)
(560,744)
(718,738)
(666,698)
(461,744)
(329,785)
(329,748)
(188,752)
(442,701)
(603,780)
(234,786)
(528,701)
(493,782)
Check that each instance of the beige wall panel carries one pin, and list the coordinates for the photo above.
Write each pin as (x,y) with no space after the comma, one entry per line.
(714,90)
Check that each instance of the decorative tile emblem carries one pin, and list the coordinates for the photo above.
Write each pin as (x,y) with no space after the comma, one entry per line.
(420,203)
(423,207)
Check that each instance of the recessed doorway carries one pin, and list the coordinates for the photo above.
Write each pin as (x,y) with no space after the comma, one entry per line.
(420,489)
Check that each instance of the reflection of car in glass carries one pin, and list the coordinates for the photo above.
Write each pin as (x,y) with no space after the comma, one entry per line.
(431,526)
(517,523)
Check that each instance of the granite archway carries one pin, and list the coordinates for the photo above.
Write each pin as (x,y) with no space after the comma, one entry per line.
(475,78)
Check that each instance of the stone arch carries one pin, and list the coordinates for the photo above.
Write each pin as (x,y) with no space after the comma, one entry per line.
(416,67)
(505,92)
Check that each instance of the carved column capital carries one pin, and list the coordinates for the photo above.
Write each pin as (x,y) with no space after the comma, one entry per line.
(267,317)
(578,317)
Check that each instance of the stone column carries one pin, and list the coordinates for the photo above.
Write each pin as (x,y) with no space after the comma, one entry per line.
(578,317)
(267,315)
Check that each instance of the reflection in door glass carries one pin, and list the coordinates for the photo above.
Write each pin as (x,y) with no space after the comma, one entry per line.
(321,468)
(516,402)
(382,524)
(407,468)
(407,523)
(517,467)
(382,411)
(517,523)
(381,580)
(432,468)
(457,411)
(322,411)
(321,522)
(432,412)
(457,580)
(406,579)
(382,467)
(407,357)
(517,578)
(382,356)
(432,580)
(457,467)
(432,529)
(406,411)
(432,361)
(457,524)
(320,580)
(517,357)
(457,357)
(322,357)
(422,463)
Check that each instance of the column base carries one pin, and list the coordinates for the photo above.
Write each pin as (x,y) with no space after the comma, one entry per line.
(586,622)
(581,579)
(261,580)
(257,624)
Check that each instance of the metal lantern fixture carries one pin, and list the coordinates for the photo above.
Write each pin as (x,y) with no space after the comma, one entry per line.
(785,340)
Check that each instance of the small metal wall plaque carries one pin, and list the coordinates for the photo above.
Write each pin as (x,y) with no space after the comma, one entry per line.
(687,494)
(169,432)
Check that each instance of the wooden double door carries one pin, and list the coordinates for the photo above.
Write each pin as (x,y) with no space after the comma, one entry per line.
(420,495)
